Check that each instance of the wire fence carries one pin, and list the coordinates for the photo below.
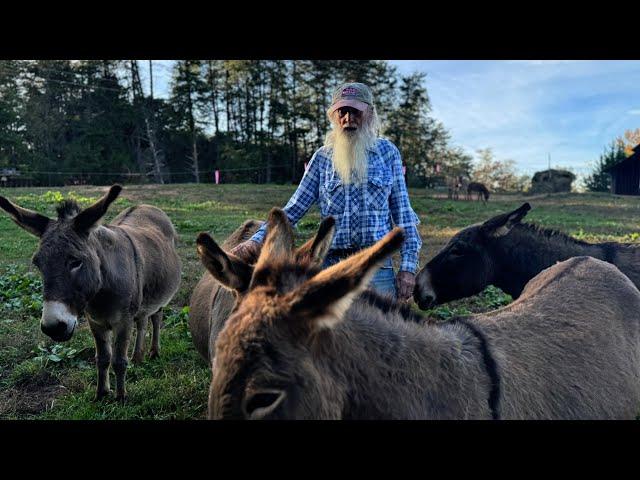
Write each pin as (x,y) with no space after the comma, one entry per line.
(42,178)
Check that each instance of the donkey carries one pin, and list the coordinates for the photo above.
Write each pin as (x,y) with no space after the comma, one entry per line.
(506,253)
(301,344)
(480,189)
(121,274)
(212,301)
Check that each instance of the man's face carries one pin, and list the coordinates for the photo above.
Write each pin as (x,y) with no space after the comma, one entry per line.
(349,118)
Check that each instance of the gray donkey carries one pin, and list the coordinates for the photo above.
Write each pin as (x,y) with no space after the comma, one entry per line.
(301,344)
(120,274)
(506,253)
(212,302)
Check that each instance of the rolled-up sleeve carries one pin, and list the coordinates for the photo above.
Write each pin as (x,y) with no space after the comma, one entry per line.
(404,216)
(303,198)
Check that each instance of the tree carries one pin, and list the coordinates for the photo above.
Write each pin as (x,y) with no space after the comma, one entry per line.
(187,93)
(599,180)
(630,140)
(419,137)
(12,144)
(497,174)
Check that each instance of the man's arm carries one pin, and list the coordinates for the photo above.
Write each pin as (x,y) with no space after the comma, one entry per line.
(301,201)
(404,216)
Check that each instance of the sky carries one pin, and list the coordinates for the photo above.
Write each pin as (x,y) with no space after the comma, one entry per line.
(529,111)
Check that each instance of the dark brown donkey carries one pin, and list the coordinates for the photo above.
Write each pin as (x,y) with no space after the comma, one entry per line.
(506,253)
(301,344)
(481,191)
(120,274)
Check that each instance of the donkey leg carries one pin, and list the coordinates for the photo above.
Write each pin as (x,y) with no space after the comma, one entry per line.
(102,338)
(120,361)
(141,337)
(156,320)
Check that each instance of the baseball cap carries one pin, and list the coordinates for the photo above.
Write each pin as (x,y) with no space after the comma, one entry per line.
(356,95)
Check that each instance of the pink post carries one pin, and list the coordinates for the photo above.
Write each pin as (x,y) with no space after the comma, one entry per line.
(306,166)
(404,169)
(217,176)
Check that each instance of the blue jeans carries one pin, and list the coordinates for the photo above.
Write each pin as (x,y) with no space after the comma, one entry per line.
(384,280)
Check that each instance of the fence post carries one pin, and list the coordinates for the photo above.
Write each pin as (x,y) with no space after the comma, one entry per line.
(217,175)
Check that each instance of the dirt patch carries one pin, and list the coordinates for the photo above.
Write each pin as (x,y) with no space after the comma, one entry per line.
(32,398)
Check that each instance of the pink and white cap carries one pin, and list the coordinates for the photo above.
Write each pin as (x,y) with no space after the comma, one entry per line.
(356,95)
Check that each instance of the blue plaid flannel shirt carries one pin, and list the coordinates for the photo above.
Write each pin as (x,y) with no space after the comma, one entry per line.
(363,213)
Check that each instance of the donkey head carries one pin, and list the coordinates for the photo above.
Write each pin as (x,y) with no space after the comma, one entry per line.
(465,266)
(66,258)
(266,359)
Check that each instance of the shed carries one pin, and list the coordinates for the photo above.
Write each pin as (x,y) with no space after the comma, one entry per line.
(625,175)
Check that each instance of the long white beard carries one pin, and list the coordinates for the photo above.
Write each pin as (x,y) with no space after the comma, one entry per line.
(350,154)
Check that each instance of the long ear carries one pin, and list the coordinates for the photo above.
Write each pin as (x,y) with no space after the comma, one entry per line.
(316,248)
(324,299)
(31,221)
(279,242)
(502,224)
(228,269)
(88,217)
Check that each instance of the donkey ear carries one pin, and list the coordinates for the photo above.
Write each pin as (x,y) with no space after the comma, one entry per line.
(279,242)
(316,248)
(31,221)
(502,224)
(88,217)
(324,299)
(228,269)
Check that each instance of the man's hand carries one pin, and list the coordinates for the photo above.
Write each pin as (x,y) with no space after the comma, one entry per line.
(405,281)
(247,251)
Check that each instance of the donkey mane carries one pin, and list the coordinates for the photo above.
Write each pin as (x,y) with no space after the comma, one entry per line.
(388,305)
(67,209)
(550,233)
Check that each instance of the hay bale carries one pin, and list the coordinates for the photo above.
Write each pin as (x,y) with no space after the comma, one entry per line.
(552,181)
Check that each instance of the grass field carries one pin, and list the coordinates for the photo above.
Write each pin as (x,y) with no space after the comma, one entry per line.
(40,379)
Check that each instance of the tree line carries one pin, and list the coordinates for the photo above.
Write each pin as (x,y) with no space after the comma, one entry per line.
(92,121)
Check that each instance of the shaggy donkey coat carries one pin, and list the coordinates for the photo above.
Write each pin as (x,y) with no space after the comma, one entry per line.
(121,274)
(301,344)
(211,303)
(506,253)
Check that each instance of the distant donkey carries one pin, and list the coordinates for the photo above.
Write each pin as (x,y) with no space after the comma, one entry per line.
(482,192)
(120,274)
(454,185)
(506,253)
(302,344)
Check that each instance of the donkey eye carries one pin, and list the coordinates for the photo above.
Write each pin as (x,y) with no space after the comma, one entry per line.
(75,264)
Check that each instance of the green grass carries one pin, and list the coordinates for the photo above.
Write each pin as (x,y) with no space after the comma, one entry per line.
(40,379)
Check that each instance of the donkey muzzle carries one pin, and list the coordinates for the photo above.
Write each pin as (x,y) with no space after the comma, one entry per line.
(58,322)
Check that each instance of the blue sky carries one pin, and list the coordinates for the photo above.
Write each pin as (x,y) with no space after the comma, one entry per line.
(524,110)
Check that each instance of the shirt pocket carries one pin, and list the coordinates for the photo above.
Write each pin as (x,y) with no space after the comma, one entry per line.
(332,199)
(378,190)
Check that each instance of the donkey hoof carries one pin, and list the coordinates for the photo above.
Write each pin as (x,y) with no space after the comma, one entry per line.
(101,394)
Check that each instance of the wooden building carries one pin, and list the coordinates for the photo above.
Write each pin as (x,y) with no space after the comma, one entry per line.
(625,175)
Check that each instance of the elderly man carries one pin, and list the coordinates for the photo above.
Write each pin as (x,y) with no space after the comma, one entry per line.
(357,178)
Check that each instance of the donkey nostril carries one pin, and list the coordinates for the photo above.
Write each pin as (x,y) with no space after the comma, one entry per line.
(55,331)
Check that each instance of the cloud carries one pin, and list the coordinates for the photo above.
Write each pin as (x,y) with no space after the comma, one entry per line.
(525,110)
